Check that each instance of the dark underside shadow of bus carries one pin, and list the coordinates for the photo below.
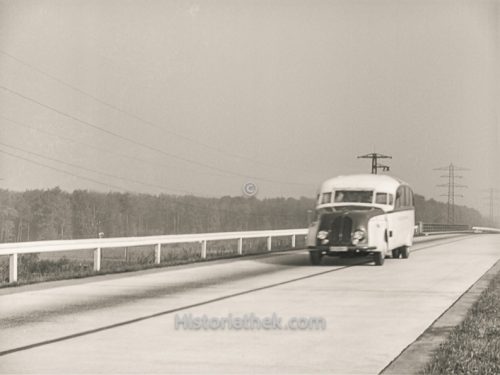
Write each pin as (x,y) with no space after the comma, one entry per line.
(296,259)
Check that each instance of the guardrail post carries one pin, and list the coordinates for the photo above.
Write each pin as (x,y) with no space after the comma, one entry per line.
(293,241)
(420,227)
(240,246)
(158,253)
(269,243)
(12,268)
(97,259)
(204,249)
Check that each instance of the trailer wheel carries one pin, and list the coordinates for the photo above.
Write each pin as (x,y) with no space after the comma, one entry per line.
(396,253)
(315,257)
(379,258)
(405,252)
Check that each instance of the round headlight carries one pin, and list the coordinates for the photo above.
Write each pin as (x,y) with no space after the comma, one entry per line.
(322,234)
(358,236)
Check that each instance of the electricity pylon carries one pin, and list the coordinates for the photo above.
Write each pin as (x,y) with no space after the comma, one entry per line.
(493,199)
(375,166)
(451,185)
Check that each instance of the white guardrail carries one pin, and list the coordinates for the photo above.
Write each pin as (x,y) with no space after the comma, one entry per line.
(13,249)
(485,230)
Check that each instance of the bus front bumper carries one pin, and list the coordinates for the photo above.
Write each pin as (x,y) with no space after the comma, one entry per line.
(344,250)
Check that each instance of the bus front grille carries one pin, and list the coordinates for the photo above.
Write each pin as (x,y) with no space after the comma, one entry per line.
(341,231)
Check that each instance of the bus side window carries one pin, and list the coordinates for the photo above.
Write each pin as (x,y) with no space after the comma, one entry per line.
(327,198)
(406,197)
(381,198)
(398,198)
(390,199)
(409,197)
(410,194)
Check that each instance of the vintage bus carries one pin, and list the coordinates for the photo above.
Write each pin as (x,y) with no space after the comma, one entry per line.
(365,214)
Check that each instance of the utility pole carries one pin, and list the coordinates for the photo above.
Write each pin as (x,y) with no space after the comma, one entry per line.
(375,166)
(451,185)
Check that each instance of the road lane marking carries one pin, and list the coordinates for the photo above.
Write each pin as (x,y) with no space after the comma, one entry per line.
(171,311)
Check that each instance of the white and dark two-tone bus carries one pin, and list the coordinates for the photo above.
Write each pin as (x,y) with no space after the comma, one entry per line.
(362,215)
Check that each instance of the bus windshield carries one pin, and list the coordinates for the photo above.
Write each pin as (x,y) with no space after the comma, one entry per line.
(353,196)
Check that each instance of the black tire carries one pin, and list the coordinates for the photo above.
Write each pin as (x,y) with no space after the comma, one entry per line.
(315,257)
(378,258)
(405,252)
(396,253)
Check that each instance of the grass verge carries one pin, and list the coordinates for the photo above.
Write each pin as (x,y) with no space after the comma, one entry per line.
(473,347)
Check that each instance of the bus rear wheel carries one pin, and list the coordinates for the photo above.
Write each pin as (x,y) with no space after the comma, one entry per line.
(405,252)
(379,258)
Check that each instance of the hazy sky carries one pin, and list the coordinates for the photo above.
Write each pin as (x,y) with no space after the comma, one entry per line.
(201,97)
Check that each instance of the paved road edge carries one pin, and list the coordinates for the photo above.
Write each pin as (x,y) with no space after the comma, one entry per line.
(416,355)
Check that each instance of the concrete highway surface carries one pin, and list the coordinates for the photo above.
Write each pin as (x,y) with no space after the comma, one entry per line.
(126,323)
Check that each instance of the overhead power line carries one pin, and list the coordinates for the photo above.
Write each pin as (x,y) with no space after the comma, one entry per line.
(121,188)
(141,144)
(111,151)
(138,118)
(167,188)
(63,171)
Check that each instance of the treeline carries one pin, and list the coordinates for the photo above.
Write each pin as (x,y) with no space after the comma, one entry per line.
(55,214)
(432,211)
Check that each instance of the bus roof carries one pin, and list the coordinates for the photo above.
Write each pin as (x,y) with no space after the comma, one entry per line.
(377,182)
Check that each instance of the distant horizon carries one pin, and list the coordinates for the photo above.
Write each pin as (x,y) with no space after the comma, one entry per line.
(214,197)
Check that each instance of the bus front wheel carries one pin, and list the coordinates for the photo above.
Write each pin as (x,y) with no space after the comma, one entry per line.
(315,257)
